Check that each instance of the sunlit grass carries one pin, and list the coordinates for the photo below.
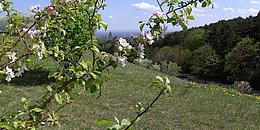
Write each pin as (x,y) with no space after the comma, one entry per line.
(190,106)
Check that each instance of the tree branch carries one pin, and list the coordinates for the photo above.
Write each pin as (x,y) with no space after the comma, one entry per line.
(146,110)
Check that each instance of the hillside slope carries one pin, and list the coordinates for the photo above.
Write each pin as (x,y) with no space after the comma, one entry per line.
(190,106)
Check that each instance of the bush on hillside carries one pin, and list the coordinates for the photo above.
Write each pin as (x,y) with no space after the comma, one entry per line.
(204,62)
(170,68)
(164,54)
(143,62)
(243,61)
(195,39)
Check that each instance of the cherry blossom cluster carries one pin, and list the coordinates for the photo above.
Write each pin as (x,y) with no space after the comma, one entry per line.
(149,37)
(140,52)
(120,59)
(31,33)
(10,74)
(123,45)
(9,71)
(50,9)
(183,19)
(35,8)
(159,15)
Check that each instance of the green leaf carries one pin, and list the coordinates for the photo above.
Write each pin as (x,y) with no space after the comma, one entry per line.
(36,109)
(49,88)
(105,122)
(79,74)
(24,100)
(190,17)
(93,75)
(57,98)
(141,26)
(188,11)
(204,4)
(104,25)
(125,122)
(93,88)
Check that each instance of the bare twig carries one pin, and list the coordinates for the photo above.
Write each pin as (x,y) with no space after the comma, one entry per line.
(146,110)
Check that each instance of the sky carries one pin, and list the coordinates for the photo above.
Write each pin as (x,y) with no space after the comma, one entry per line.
(125,14)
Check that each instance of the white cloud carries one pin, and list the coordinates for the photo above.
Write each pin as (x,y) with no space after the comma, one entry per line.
(251,11)
(199,12)
(250,1)
(145,6)
(110,17)
(229,9)
(254,2)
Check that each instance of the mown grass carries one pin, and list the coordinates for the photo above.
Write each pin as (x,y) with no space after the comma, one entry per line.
(190,106)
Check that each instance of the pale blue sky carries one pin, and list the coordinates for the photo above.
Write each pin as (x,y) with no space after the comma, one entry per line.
(125,14)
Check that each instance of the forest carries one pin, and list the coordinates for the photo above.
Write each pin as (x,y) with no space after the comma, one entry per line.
(226,51)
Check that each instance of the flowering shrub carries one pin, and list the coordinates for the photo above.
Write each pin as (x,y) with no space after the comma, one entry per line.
(64,31)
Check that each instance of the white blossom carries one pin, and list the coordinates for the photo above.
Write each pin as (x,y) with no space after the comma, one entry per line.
(122,60)
(40,49)
(142,34)
(35,8)
(141,55)
(183,19)
(164,29)
(31,33)
(120,48)
(129,47)
(9,74)
(140,47)
(150,38)
(150,42)
(159,14)
(12,56)
(123,42)
(113,58)
(20,71)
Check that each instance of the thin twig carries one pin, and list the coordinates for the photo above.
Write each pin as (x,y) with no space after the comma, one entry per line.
(145,111)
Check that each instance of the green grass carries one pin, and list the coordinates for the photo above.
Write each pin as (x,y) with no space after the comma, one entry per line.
(190,106)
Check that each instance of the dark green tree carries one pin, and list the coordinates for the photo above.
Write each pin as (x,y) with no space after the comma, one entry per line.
(195,39)
(204,62)
(243,61)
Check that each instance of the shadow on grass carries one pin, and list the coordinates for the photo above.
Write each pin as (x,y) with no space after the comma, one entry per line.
(31,78)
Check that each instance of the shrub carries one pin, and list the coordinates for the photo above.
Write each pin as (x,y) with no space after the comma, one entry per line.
(181,57)
(242,86)
(170,68)
(164,54)
(243,61)
(195,39)
(156,67)
(204,62)
(143,62)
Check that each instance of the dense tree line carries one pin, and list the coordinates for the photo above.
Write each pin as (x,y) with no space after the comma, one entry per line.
(226,51)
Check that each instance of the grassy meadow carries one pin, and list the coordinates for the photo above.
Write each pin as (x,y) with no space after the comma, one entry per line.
(190,106)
